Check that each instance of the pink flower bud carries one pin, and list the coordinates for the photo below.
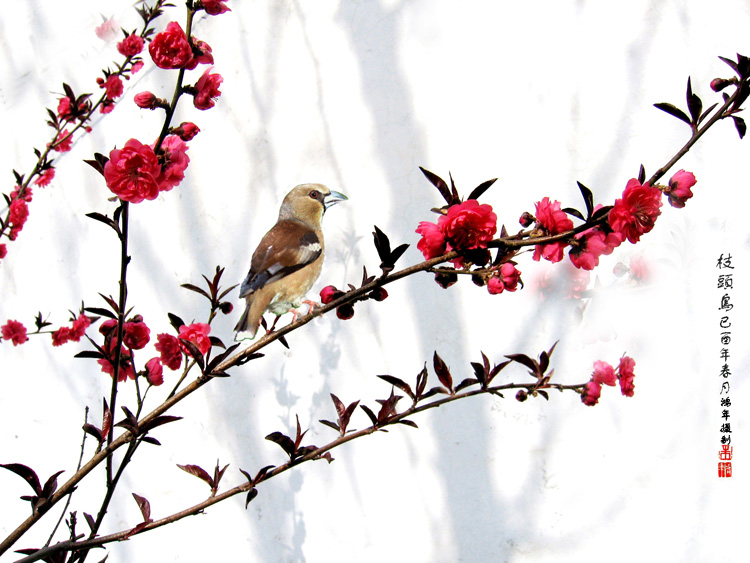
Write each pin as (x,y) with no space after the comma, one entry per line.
(146,100)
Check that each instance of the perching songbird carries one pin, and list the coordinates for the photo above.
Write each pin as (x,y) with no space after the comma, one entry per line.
(289,258)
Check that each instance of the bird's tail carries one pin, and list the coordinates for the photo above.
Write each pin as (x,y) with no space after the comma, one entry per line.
(244,328)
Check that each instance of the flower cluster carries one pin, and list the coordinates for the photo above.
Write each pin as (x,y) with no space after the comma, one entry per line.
(505,278)
(136,172)
(605,374)
(136,335)
(464,226)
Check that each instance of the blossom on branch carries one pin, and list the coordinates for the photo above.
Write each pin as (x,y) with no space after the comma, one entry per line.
(196,333)
(678,190)
(506,278)
(131,45)
(154,371)
(625,374)
(214,7)
(15,332)
(206,90)
(635,213)
(174,161)
(169,350)
(551,220)
(170,48)
(132,173)
(465,226)
(45,177)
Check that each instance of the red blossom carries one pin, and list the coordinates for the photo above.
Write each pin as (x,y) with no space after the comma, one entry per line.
(169,350)
(17,215)
(625,373)
(135,334)
(170,48)
(132,172)
(138,65)
(45,177)
(591,393)
(591,244)
(432,243)
(154,371)
(131,45)
(175,161)
(345,311)
(3,251)
(468,225)
(61,336)
(207,90)
(197,333)
(214,7)
(14,331)
(80,324)
(112,86)
(551,220)
(506,278)
(635,213)
(678,190)
(65,109)
(202,54)
(126,363)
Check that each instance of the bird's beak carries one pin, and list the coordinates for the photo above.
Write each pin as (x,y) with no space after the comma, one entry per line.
(332,199)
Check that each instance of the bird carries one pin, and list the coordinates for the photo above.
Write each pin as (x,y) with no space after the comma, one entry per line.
(288,259)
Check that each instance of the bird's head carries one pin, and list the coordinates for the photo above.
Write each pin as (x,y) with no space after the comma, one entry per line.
(308,203)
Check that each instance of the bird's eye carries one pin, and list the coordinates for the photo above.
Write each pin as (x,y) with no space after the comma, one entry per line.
(313,194)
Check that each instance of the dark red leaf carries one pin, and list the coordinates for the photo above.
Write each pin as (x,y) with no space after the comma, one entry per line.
(395,381)
(442,371)
(145,507)
(26,473)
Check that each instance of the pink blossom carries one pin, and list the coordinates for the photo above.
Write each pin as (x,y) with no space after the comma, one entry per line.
(197,333)
(591,244)
(214,7)
(202,54)
(169,349)
(678,190)
(468,225)
(635,213)
(126,363)
(626,374)
(63,141)
(137,65)
(65,109)
(505,279)
(3,251)
(207,90)
(45,177)
(432,243)
(154,371)
(131,45)
(132,172)
(551,220)
(170,48)
(175,161)
(61,336)
(18,213)
(112,86)
(135,334)
(15,332)
(604,373)
(591,393)
(80,324)
(107,30)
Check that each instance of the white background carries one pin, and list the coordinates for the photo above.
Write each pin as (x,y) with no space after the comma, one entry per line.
(357,95)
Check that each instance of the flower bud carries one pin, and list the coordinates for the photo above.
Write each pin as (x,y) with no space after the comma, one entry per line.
(521,396)
(718,84)
(526,219)
(378,294)
(345,311)
(146,100)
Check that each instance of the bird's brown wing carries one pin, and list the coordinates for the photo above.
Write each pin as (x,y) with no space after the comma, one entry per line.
(286,248)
